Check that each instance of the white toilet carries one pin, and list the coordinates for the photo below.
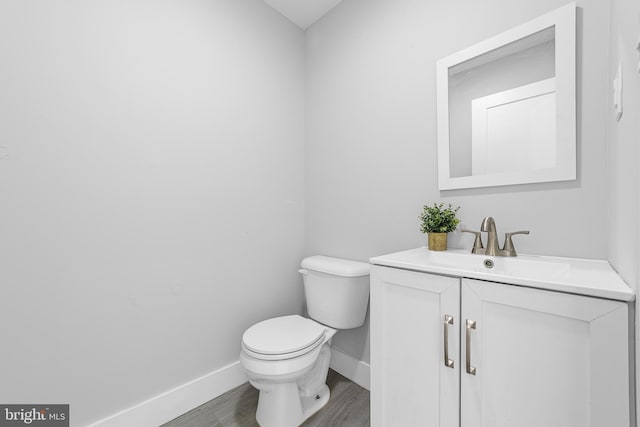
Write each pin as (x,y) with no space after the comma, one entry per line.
(287,358)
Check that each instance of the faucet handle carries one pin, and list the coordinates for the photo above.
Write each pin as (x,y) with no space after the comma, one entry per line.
(508,249)
(478,247)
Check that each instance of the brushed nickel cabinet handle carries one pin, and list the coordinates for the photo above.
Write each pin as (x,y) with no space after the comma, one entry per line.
(448,320)
(471,324)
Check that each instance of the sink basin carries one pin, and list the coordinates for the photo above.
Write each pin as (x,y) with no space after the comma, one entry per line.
(533,268)
(523,266)
(573,275)
(458,259)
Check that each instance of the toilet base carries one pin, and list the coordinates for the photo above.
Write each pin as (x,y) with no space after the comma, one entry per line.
(312,404)
(288,401)
(275,409)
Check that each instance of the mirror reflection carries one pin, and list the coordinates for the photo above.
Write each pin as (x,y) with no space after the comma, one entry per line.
(502,108)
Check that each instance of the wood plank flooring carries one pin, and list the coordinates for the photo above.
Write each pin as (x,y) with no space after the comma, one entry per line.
(348,406)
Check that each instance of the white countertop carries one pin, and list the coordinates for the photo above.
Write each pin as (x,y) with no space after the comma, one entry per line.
(572,275)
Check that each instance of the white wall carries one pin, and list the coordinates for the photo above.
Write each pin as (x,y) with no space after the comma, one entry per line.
(623,155)
(371,133)
(151,193)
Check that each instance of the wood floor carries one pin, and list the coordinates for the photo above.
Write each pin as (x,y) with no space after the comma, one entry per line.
(348,406)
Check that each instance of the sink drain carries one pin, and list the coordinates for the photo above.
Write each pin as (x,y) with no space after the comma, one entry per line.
(488,263)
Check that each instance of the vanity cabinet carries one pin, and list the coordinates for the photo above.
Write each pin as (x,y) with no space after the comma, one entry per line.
(460,352)
(410,384)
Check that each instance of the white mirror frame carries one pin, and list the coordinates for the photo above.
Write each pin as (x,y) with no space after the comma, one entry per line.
(564,20)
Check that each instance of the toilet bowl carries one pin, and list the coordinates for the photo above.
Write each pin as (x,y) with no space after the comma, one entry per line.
(290,371)
(287,358)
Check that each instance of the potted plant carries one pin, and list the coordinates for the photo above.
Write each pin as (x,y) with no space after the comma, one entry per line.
(437,221)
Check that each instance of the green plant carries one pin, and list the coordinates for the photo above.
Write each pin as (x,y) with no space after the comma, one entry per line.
(437,219)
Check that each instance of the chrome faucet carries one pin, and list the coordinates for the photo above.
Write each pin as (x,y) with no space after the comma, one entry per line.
(493,248)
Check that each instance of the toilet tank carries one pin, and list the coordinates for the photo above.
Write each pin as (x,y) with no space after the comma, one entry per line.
(336,290)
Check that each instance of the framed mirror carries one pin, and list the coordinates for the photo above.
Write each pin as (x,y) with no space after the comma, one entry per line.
(507,107)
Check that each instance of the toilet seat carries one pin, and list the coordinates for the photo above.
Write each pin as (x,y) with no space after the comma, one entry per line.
(283,338)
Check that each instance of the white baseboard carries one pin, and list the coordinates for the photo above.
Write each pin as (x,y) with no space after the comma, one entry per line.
(351,368)
(173,403)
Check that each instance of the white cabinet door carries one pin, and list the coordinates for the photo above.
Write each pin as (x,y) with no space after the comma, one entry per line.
(543,359)
(410,383)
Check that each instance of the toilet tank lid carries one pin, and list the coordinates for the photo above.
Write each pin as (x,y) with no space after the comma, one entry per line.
(336,266)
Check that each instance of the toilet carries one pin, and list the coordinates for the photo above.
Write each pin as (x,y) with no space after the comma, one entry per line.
(287,358)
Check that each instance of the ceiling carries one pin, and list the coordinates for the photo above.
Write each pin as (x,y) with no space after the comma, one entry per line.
(303,12)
